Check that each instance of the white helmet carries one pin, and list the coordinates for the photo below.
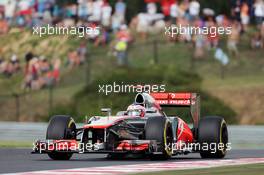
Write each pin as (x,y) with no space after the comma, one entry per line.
(136,110)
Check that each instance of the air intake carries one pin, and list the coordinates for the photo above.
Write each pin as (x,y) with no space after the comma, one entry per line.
(140,99)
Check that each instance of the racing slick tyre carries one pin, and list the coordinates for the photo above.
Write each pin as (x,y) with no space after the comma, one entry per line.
(160,129)
(212,137)
(61,128)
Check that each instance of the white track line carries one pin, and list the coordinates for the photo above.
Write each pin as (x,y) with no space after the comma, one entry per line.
(139,168)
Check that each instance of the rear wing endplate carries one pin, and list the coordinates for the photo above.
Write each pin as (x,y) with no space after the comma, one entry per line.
(188,99)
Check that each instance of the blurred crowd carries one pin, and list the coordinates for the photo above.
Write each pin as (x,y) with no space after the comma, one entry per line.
(119,32)
(9,67)
(39,72)
(189,13)
(29,13)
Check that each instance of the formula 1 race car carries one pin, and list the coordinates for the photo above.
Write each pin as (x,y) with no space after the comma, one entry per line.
(143,129)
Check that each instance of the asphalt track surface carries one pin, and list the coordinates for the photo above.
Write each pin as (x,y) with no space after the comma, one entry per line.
(20,160)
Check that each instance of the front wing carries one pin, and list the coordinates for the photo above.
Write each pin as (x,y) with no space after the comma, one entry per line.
(73,146)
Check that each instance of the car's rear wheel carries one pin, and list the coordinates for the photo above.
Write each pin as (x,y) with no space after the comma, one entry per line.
(213,137)
(61,128)
(160,129)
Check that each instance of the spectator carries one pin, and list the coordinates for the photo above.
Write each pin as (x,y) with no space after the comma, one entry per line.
(199,46)
(122,39)
(97,11)
(165,7)
(213,36)
(44,65)
(24,7)
(47,17)
(262,30)
(82,52)
(257,41)
(142,25)
(102,39)
(2,66)
(207,13)
(39,72)
(2,10)
(3,25)
(9,67)
(27,75)
(73,59)
(121,53)
(194,9)
(56,69)
(151,8)
(244,16)
(185,36)
(15,63)
(41,7)
(82,9)
(184,7)
(31,77)
(124,34)
(10,10)
(259,12)
(118,17)
(28,56)
(73,10)
(199,41)
(120,9)
(106,14)
(237,11)
(90,6)
(233,38)
(222,20)
(174,12)
(117,21)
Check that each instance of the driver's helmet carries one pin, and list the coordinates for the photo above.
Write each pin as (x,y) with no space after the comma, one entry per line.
(136,110)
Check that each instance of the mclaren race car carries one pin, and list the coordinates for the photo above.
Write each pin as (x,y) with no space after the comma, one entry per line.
(142,129)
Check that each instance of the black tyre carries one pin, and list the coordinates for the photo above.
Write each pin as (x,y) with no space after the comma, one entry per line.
(61,128)
(212,131)
(160,129)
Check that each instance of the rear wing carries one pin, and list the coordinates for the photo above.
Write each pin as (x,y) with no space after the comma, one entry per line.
(175,99)
(191,100)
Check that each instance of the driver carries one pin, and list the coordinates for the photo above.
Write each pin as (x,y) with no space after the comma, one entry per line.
(136,110)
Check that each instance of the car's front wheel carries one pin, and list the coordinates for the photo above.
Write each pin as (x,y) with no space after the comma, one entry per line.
(61,128)
(160,130)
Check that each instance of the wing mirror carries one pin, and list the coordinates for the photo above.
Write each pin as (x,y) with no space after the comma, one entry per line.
(151,111)
(106,110)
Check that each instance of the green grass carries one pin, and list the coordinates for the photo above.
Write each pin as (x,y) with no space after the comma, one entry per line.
(236,82)
(16,144)
(254,169)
